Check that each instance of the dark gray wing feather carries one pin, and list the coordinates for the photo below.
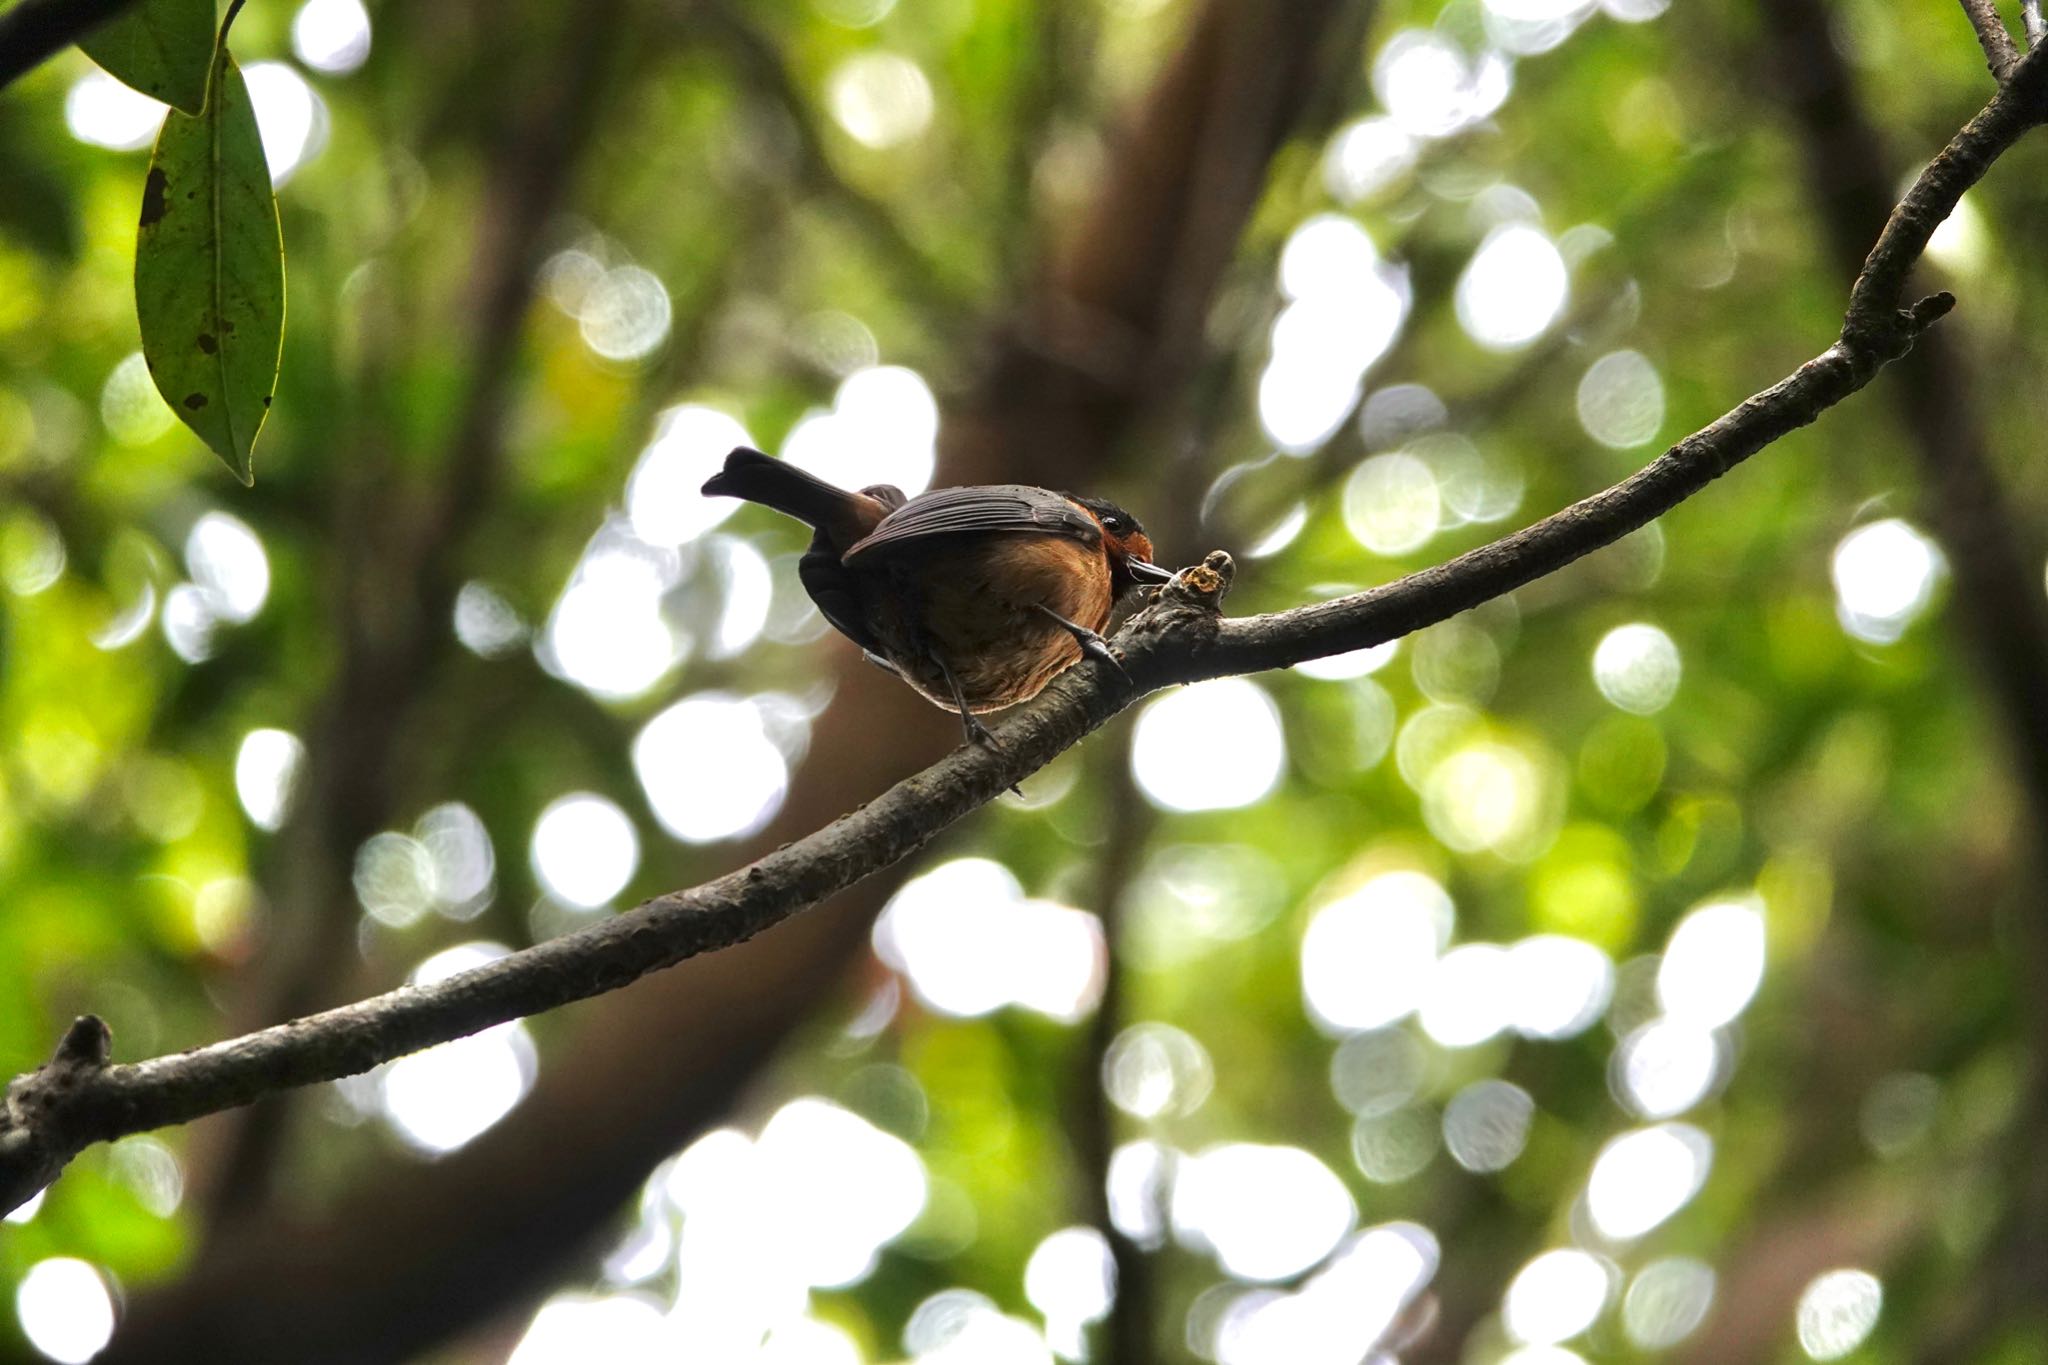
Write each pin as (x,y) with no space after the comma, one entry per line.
(985,508)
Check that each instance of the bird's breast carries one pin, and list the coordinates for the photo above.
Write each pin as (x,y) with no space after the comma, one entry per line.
(972,604)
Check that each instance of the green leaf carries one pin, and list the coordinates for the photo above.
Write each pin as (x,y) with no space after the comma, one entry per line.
(209,271)
(164,48)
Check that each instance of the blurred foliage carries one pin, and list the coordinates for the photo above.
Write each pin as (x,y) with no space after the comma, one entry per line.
(1859,790)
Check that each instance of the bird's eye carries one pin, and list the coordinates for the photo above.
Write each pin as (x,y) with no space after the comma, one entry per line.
(1114,524)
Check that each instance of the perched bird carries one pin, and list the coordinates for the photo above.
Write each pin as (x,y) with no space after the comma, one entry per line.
(977,597)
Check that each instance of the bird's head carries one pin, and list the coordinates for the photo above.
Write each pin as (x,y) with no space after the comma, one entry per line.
(1129,548)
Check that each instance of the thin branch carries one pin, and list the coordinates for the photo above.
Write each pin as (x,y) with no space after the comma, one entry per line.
(50,1114)
(1993,36)
(33,31)
(2033,23)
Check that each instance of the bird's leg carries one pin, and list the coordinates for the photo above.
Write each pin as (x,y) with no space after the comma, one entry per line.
(1093,646)
(977,733)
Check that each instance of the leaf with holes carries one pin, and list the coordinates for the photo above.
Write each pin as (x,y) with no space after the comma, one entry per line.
(209,271)
(164,48)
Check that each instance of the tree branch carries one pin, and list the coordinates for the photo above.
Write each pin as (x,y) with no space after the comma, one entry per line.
(1993,36)
(52,1113)
(33,31)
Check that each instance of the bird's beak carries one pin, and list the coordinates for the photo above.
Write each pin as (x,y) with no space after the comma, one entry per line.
(1145,571)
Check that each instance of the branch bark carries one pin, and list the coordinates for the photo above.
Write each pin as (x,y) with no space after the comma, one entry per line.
(2000,53)
(33,31)
(57,1110)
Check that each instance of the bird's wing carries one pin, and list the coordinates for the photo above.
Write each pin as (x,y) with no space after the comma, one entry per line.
(986,508)
(830,585)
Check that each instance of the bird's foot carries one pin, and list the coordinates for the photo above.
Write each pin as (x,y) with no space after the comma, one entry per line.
(977,733)
(1093,646)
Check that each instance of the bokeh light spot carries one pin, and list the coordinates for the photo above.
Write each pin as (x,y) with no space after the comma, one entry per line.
(1555,1297)
(711,732)
(1367,958)
(1643,1177)
(1637,668)
(100,110)
(266,768)
(1514,288)
(1267,1213)
(1667,1301)
(1621,400)
(1392,504)
(584,849)
(64,1309)
(1713,964)
(1885,575)
(1216,745)
(332,35)
(882,99)
(1837,1311)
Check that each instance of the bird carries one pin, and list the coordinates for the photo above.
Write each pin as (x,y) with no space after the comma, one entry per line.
(977,597)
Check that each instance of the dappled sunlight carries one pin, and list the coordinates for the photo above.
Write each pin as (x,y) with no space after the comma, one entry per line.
(1392,505)
(1667,1301)
(1468,996)
(572,1328)
(1837,1312)
(134,412)
(1637,668)
(1665,1068)
(1216,745)
(689,446)
(1560,985)
(808,1204)
(64,1309)
(1341,1313)
(1486,1125)
(711,732)
(1151,1070)
(1643,1177)
(881,99)
(1556,1297)
(1264,1212)
(1368,958)
(608,632)
(882,427)
(1886,574)
(1713,964)
(1514,288)
(1071,1280)
(584,850)
(102,111)
(1137,1186)
(1621,400)
(266,769)
(291,118)
(1431,88)
(1365,158)
(443,1098)
(1345,308)
(1392,1147)
(332,36)
(970,943)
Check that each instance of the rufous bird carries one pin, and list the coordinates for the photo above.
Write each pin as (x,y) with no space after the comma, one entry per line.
(977,597)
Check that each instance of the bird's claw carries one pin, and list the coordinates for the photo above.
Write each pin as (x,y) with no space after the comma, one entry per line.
(1093,646)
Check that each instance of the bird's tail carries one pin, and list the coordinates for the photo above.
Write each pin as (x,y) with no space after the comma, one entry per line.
(778,484)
